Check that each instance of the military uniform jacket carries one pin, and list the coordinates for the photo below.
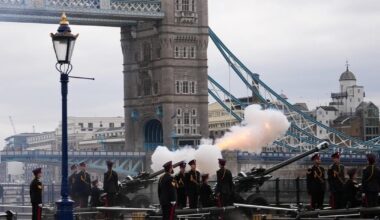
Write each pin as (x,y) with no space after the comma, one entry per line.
(167,189)
(206,195)
(336,178)
(83,183)
(95,197)
(315,179)
(192,182)
(351,190)
(35,191)
(180,179)
(371,179)
(224,183)
(111,184)
(72,184)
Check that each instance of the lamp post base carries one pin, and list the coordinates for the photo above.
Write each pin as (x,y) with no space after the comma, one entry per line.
(65,210)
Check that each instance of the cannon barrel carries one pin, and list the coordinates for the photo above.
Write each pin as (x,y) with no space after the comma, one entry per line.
(155,174)
(322,146)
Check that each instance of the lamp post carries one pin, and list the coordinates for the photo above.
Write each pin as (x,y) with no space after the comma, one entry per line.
(63,43)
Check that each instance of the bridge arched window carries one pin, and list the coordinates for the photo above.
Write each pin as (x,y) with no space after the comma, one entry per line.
(186,118)
(178,87)
(179,111)
(192,52)
(193,87)
(147,87)
(184,52)
(176,52)
(155,88)
(146,52)
(185,5)
(177,5)
(192,6)
(185,87)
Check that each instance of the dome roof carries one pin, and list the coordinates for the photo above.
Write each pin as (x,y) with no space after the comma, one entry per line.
(347,75)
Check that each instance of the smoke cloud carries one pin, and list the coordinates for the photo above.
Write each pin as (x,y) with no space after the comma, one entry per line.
(206,155)
(259,128)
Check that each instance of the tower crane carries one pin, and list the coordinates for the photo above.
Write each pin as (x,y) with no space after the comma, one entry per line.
(13,126)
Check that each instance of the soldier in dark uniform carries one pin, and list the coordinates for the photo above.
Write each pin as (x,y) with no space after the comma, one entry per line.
(351,189)
(316,183)
(83,185)
(167,192)
(95,194)
(206,197)
(224,185)
(335,176)
(111,185)
(72,185)
(371,182)
(192,184)
(36,189)
(181,191)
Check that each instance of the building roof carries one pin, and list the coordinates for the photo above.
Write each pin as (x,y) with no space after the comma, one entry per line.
(21,135)
(363,106)
(347,75)
(301,106)
(328,108)
(345,119)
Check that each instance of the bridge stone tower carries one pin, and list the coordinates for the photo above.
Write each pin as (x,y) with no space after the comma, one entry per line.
(165,77)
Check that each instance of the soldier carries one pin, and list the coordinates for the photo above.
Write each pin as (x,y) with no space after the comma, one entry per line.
(336,181)
(167,192)
(224,185)
(181,192)
(111,185)
(192,184)
(315,182)
(371,182)
(83,185)
(95,194)
(36,188)
(351,189)
(206,198)
(72,185)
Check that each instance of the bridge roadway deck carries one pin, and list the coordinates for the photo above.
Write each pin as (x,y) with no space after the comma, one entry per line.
(131,163)
(114,13)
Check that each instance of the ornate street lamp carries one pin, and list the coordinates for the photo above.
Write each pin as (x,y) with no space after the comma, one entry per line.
(64,42)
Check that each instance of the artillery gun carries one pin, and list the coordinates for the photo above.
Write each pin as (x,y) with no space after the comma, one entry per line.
(246,182)
(132,185)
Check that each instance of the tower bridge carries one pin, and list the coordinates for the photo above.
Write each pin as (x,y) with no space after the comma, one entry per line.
(166,83)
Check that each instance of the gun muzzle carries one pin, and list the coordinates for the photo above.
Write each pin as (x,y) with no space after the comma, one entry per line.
(323,145)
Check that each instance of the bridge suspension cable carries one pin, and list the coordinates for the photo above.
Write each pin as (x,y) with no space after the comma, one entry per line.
(303,130)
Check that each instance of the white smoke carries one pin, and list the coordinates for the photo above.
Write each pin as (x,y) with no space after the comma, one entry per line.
(206,156)
(259,128)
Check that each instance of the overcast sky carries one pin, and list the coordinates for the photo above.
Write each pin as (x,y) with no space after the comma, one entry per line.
(298,47)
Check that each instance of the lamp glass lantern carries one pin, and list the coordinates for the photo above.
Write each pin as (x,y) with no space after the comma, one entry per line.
(63,41)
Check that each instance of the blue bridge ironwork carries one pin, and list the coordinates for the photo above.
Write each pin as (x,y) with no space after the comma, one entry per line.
(126,163)
(114,13)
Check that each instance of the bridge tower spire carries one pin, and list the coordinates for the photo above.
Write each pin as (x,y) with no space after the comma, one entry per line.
(165,77)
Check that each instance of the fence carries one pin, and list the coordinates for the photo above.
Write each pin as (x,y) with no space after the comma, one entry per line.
(276,191)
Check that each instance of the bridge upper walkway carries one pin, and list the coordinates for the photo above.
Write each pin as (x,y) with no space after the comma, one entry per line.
(114,13)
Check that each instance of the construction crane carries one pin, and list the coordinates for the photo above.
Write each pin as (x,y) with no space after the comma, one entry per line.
(13,126)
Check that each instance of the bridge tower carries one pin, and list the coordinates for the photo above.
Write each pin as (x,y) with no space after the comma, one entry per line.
(165,77)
